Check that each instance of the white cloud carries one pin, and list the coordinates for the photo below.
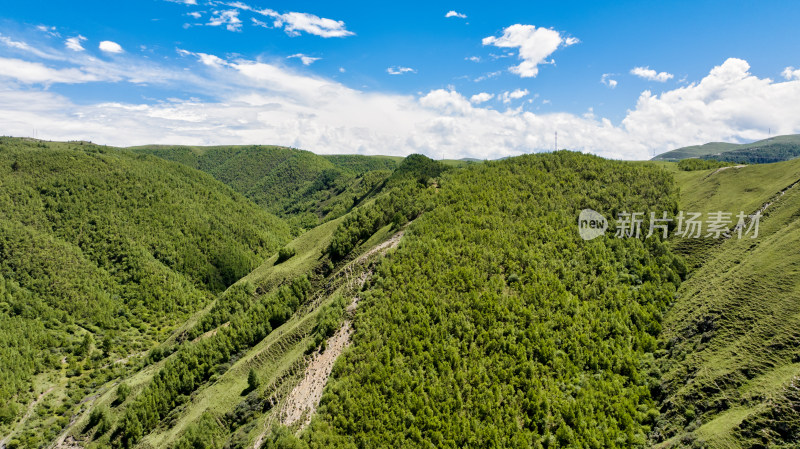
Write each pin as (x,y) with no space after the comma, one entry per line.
(250,102)
(195,14)
(19,45)
(342,70)
(24,47)
(259,23)
(306,60)
(51,30)
(295,22)
(452,13)
(516,94)
(790,73)
(229,18)
(398,70)
(482,97)
(205,58)
(74,43)
(608,81)
(535,46)
(36,73)
(487,76)
(651,75)
(110,47)
(473,59)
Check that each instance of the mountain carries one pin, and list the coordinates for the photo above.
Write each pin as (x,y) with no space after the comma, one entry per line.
(297,185)
(487,296)
(731,358)
(102,253)
(774,149)
(451,305)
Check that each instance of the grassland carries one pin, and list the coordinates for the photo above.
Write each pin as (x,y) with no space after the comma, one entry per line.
(730,367)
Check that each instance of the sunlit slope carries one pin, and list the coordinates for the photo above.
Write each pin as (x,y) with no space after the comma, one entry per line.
(103,252)
(732,359)
(774,149)
(222,379)
(298,185)
(494,324)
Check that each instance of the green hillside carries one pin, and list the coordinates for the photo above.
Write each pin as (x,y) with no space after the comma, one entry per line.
(102,253)
(495,325)
(398,303)
(732,359)
(774,149)
(300,186)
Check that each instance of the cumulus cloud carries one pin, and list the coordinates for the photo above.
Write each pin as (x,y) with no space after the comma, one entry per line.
(293,23)
(229,18)
(246,102)
(535,46)
(608,81)
(399,70)
(473,58)
(110,47)
(74,43)
(513,95)
(306,60)
(452,13)
(482,97)
(790,73)
(651,75)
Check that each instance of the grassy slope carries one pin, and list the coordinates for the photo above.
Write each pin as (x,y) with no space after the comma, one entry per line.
(104,244)
(733,334)
(715,148)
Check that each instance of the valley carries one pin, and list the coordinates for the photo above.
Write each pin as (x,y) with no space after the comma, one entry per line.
(260,296)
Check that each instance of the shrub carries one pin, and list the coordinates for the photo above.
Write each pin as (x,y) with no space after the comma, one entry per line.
(285,254)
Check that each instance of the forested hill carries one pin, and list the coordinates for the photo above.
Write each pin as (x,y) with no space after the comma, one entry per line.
(774,149)
(103,252)
(306,188)
(147,304)
(495,325)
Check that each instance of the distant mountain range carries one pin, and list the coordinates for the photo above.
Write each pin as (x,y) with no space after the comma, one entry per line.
(774,149)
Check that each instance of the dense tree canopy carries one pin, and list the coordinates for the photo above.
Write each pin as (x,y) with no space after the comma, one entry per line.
(495,325)
(97,242)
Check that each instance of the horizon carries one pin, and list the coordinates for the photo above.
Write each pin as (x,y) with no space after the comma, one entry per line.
(450,82)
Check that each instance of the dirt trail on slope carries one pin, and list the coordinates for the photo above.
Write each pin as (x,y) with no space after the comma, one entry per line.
(27,415)
(304,398)
(764,207)
(725,168)
(383,247)
(301,403)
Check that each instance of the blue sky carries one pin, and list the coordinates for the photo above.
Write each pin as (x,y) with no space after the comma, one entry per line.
(478,79)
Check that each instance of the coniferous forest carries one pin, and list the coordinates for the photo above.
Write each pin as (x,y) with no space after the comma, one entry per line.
(267,297)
